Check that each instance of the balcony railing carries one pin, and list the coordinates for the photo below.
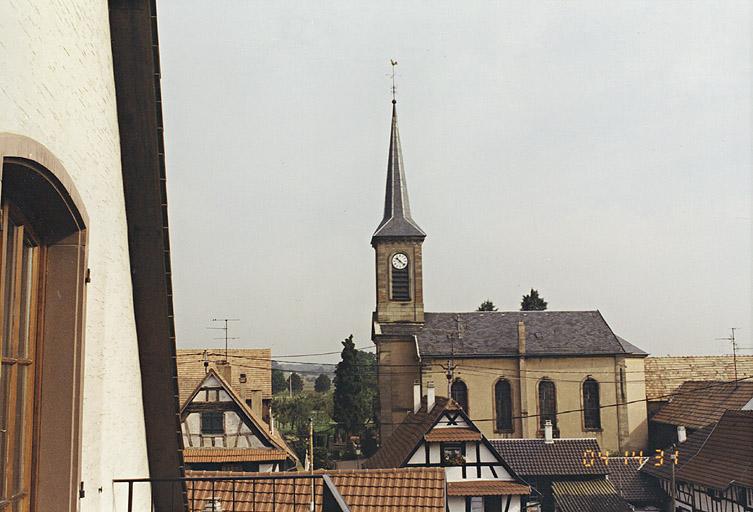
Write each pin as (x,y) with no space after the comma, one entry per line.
(284,492)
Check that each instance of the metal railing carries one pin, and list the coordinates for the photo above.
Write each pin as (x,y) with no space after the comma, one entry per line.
(283,492)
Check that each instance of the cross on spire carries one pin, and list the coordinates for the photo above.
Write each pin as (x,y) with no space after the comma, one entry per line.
(393,63)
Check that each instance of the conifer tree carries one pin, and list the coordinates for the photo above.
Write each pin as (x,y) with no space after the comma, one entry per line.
(352,404)
(487,305)
(279,384)
(532,302)
(322,384)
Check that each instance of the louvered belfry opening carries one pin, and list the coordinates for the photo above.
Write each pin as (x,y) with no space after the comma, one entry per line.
(401,284)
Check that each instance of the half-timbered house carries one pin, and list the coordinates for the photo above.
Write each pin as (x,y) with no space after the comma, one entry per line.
(222,433)
(438,433)
(712,471)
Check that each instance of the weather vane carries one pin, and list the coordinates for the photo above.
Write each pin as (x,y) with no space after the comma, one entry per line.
(393,63)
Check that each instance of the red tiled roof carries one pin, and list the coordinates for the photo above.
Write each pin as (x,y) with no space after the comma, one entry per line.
(696,404)
(198,455)
(665,374)
(254,363)
(486,488)
(715,456)
(450,434)
(379,490)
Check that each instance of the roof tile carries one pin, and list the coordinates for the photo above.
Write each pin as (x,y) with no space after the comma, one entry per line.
(563,457)
(665,374)
(495,334)
(588,496)
(695,404)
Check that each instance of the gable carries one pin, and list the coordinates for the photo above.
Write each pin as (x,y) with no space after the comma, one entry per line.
(240,426)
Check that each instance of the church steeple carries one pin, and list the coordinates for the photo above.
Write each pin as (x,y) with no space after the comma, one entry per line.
(397,243)
(397,221)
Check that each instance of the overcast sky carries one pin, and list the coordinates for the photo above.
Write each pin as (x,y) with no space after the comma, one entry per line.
(597,151)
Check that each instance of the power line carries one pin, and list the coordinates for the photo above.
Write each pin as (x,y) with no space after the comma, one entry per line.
(640,400)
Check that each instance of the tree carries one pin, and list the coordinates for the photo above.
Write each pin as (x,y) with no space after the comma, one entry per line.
(352,399)
(295,383)
(322,384)
(532,302)
(487,305)
(279,384)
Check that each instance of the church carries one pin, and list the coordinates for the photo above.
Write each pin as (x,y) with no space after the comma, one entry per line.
(510,371)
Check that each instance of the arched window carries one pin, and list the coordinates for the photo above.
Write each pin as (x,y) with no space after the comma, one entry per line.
(547,403)
(459,393)
(591,405)
(503,405)
(400,273)
(42,266)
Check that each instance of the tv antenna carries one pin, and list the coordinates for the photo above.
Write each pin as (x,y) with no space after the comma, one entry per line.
(224,328)
(731,338)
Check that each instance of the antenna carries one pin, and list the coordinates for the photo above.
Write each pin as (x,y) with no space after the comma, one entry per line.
(450,368)
(393,63)
(734,347)
(226,320)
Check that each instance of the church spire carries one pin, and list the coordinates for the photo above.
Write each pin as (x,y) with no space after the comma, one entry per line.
(397,221)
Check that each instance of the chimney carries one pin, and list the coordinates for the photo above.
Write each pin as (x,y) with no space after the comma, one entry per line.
(223,368)
(521,338)
(548,438)
(416,396)
(430,397)
(681,434)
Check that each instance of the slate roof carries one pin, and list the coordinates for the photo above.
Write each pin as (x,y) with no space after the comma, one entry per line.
(588,496)
(397,221)
(715,456)
(376,490)
(564,457)
(635,487)
(695,404)
(665,374)
(396,448)
(495,334)
(255,363)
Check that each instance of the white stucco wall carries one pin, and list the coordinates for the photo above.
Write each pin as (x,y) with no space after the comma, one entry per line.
(457,504)
(56,87)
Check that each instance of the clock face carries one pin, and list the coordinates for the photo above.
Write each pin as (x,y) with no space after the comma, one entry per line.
(400,261)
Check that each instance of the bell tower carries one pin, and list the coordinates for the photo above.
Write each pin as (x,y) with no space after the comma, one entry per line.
(397,242)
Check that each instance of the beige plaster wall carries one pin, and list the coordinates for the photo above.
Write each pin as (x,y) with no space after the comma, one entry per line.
(568,373)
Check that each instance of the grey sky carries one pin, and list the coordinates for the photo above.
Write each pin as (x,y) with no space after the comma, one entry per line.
(597,151)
